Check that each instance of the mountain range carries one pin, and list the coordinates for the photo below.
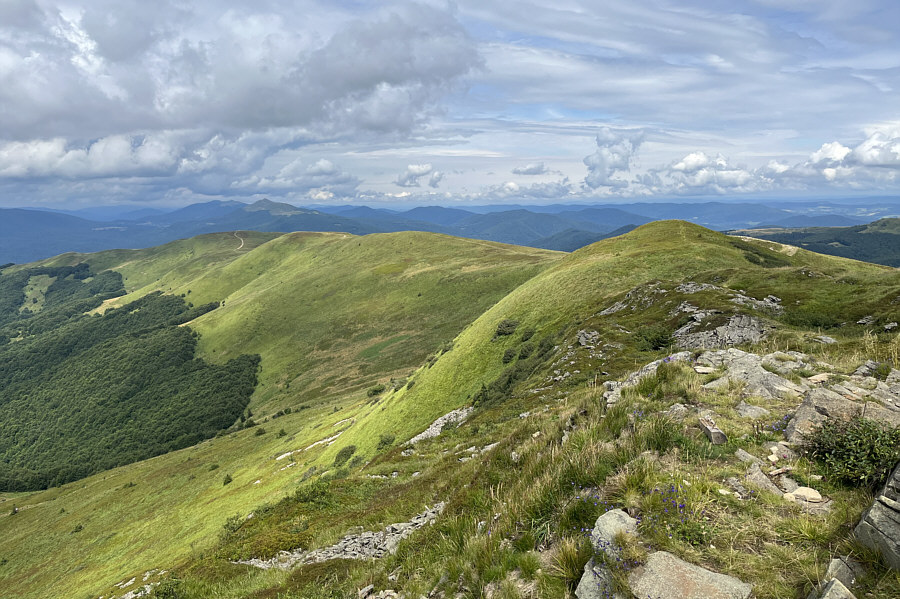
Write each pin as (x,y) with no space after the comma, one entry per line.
(27,234)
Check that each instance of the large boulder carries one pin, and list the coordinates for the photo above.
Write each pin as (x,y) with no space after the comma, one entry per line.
(747,369)
(664,575)
(879,528)
(821,404)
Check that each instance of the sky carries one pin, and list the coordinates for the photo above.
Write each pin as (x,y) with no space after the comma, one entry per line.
(167,103)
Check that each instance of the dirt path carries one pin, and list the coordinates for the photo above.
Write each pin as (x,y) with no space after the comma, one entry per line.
(241,238)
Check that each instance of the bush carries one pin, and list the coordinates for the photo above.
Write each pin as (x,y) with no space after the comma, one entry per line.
(316,492)
(227,480)
(509,355)
(376,390)
(506,327)
(527,334)
(260,432)
(526,351)
(653,337)
(343,455)
(385,441)
(281,433)
(858,452)
(882,371)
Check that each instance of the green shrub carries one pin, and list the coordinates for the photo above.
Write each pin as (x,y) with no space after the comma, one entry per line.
(385,441)
(527,334)
(506,327)
(315,492)
(171,588)
(376,390)
(213,467)
(526,351)
(260,432)
(653,337)
(227,480)
(882,371)
(281,433)
(509,355)
(858,452)
(343,455)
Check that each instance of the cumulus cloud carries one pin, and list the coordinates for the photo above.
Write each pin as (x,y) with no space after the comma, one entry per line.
(410,177)
(615,150)
(534,168)
(321,179)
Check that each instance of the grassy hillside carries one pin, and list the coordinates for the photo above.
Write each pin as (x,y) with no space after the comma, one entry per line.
(330,314)
(877,242)
(174,515)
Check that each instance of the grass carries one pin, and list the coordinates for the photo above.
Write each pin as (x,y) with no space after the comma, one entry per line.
(326,311)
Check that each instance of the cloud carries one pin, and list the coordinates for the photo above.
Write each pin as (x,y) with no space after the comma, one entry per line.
(410,177)
(319,179)
(435,179)
(615,150)
(534,168)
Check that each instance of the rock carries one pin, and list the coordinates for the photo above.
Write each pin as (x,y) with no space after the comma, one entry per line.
(865,320)
(614,388)
(365,591)
(739,329)
(664,575)
(704,369)
(788,484)
(738,488)
(588,338)
(456,417)
(825,339)
(756,477)
(807,494)
(709,428)
(879,528)
(747,457)
(746,368)
(845,569)
(818,405)
(754,412)
(818,379)
(690,287)
(890,326)
(783,451)
(836,590)
(596,582)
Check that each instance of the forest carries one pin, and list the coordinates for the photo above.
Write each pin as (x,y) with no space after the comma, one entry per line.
(81,393)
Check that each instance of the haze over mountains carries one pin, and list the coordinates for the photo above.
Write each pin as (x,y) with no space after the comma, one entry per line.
(32,234)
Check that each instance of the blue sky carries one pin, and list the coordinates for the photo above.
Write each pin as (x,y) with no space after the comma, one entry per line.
(432,102)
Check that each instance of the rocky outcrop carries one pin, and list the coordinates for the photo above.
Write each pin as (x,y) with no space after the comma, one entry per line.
(862,396)
(664,575)
(747,369)
(614,388)
(356,546)
(879,528)
(739,329)
(456,417)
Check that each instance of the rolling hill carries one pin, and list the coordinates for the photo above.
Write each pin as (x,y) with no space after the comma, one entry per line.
(366,341)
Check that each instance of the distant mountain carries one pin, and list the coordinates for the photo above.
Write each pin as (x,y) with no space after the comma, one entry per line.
(573,239)
(519,227)
(197,212)
(437,215)
(877,242)
(608,219)
(824,220)
(715,215)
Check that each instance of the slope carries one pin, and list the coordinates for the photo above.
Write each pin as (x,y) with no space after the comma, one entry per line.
(383,302)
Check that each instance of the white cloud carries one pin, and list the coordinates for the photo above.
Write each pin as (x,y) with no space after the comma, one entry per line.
(615,150)
(534,168)
(410,177)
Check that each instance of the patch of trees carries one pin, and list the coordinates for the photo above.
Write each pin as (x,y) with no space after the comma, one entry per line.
(80,394)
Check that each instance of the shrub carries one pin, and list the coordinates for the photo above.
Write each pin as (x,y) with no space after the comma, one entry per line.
(882,371)
(506,327)
(653,337)
(385,441)
(858,452)
(281,433)
(315,492)
(526,351)
(343,455)
(527,334)
(227,480)
(213,467)
(509,355)
(376,390)
(260,432)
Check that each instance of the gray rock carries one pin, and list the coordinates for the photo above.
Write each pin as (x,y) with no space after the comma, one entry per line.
(890,326)
(664,575)
(712,432)
(690,287)
(757,478)
(754,412)
(739,329)
(879,528)
(746,368)
(456,417)
(614,388)
(818,405)
(845,569)
(748,457)
(677,411)
(596,582)
(825,339)
(836,590)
